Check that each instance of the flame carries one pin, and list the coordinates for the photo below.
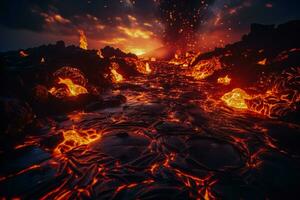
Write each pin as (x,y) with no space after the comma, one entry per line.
(224,80)
(262,62)
(236,98)
(23,54)
(42,60)
(148,69)
(115,75)
(143,68)
(74,138)
(82,40)
(73,89)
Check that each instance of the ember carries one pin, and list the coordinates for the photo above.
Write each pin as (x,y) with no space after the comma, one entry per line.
(23,54)
(224,80)
(262,62)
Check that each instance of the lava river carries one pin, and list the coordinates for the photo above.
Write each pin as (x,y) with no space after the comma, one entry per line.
(174,138)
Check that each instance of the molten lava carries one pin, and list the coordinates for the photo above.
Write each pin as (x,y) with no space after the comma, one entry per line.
(73,89)
(74,138)
(236,98)
(224,80)
(206,68)
(116,77)
(82,40)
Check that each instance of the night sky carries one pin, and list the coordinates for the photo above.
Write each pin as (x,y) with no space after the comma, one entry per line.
(137,25)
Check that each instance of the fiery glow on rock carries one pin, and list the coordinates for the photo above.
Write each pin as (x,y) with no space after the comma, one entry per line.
(280,98)
(236,98)
(206,68)
(275,102)
(82,40)
(73,89)
(23,54)
(117,77)
(224,80)
(74,138)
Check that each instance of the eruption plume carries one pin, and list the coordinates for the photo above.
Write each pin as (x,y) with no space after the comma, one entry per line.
(182,20)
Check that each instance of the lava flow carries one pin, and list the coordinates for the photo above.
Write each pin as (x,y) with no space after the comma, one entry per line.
(73,138)
(81,123)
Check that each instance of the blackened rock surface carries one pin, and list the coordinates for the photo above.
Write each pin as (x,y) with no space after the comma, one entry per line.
(109,52)
(22,159)
(132,145)
(15,115)
(24,73)
(68,104)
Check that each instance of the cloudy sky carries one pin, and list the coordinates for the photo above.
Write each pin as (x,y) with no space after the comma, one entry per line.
(137,25)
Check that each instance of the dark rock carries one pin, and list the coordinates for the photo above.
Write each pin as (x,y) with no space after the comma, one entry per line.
(109,52)
(40,93)
(210,153)
(114,101)
(50,142)
(15,115)
(68,104)
(123,146)
(94,106)
(22,159)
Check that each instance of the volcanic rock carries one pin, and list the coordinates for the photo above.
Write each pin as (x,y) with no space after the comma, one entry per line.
(109,52)
(123,146)
(15,115)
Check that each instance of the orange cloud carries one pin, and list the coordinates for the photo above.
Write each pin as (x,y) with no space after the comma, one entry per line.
(55,18)
(136,32)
